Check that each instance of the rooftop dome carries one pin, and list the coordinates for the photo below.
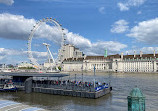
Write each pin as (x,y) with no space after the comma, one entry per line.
(136,93)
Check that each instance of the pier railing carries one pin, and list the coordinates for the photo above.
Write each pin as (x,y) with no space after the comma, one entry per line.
(64,85)
(68,86)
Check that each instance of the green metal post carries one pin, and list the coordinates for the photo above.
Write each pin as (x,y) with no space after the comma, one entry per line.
(106,53)
(136,100)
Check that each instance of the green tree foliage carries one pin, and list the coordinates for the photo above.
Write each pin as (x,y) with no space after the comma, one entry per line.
(26,68)
(59,68)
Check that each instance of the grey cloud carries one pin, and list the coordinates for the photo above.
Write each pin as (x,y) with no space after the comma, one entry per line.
(145,50)
(7,2)
(15,26)
(18,27)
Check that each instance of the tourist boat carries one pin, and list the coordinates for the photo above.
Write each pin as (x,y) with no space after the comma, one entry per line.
(8,87)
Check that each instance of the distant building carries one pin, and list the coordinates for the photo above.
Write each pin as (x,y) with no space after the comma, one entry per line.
(47,64)
(25,64)
(66,52)
(3,66)
(72,64)
(87,63)
(69,51)
(115,63)
(137,63)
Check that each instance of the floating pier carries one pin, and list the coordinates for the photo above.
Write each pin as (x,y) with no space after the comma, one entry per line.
(83,94)
(65,88)
(68,90)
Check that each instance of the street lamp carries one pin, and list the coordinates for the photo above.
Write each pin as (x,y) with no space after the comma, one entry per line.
(75,77)
(94,75)
(82,72)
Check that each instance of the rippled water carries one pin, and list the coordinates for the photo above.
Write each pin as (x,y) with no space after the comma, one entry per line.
(116,101)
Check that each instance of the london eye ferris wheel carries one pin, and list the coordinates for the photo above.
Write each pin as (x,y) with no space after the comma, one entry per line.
(41,42)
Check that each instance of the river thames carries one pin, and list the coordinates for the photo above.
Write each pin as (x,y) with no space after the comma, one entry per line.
(116,101)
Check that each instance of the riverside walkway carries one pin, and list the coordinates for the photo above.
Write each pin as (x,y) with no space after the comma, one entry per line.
(7,105)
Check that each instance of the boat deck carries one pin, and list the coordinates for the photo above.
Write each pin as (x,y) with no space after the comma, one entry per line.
(7,105)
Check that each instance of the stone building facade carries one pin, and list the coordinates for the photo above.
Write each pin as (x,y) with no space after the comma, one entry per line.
(138,63)
(75,60)
(115,63)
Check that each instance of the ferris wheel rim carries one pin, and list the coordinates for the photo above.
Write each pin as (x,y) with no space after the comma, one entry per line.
(35,27)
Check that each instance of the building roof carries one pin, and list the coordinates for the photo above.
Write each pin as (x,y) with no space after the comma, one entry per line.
(144,56)
(34,74)
(138,56)
(113,56)
(124,56)
(73,59)
(93,57)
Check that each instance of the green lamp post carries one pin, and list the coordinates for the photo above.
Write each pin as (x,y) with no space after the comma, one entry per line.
(136,100)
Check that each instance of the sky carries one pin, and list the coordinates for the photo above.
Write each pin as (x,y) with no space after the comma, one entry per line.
(90,25)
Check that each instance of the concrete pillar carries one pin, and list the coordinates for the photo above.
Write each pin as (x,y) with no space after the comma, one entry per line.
(154,53)
(136,100)
(154,66)
(122,55)
(134,54)
(28,85)
(141,53)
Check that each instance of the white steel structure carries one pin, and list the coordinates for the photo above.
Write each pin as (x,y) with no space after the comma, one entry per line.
(49,53)
(35,27)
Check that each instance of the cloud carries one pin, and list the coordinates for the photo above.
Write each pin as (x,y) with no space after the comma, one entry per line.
(9,52)
(123,7)
(78,2)
(145,50)
(7,55)
(99,47)
(120,26)
(8,22)
(24,25)
(77,40)
(7,2)
(65,1)
(139,12)
(96,48)
(102,10)
(145,31)
(130,3)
